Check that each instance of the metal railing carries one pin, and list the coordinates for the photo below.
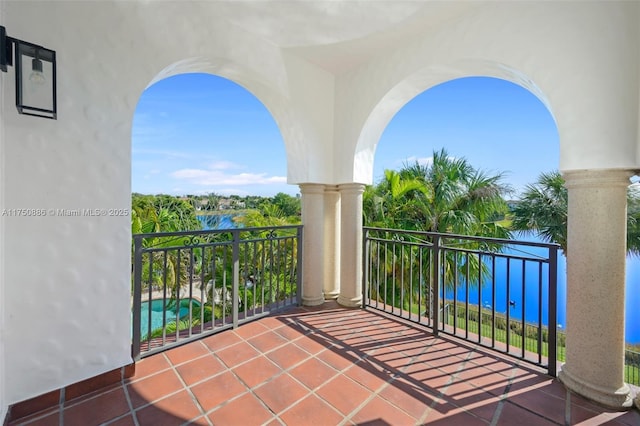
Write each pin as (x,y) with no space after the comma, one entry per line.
(187,285)
(501,294)
(632,367)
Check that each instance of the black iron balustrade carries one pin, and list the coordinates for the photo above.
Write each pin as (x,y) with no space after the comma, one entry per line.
(498,293)
(632,367)
(187,285)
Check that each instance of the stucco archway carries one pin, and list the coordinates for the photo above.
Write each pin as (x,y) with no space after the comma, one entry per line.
(403,92)
(275,103)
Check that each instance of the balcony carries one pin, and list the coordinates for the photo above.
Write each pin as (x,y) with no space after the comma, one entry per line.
(331,365)
(393,362)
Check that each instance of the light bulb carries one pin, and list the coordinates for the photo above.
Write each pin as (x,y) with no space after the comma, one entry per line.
(37,76)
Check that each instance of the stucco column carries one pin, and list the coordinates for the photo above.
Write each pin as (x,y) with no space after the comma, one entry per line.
(312,243)
(596,254)
(351,244)
(331,242)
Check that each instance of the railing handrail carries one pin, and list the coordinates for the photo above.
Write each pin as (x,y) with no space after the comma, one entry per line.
(467,237)
(213,231)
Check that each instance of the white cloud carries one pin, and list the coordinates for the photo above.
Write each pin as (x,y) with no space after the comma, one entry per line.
(218,177)
(423,161)
(225,165)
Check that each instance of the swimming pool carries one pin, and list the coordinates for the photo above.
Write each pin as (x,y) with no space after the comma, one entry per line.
(157,307)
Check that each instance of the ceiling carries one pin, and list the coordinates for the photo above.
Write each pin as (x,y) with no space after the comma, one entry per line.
(339,35)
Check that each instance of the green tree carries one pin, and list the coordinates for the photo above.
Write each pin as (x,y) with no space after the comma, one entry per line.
(287,205)
(542,208)
(460,199)
(446,196)
(169,213)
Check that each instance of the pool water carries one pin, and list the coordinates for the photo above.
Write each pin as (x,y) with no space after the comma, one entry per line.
(157,307)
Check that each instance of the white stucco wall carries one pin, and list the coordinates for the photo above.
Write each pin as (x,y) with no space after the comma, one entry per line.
(66,279)
(3,398)
(581,59)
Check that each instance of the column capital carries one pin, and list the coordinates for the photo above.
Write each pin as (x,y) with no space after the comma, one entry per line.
(312,188)
(592,178)
(356,188)
(331,189)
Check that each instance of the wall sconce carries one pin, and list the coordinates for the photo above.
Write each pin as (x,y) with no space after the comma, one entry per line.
(35,75)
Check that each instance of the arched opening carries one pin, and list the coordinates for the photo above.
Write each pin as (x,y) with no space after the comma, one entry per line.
(199,133)
(497,125)
(204,147)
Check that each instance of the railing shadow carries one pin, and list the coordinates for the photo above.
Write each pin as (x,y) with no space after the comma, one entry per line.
(376,353)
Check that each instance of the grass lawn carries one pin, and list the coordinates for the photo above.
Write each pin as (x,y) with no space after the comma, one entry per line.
(632,372)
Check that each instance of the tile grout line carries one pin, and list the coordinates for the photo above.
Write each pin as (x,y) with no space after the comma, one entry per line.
(442,393)
(189,392)
(129,403)
(517,365)
(384,386)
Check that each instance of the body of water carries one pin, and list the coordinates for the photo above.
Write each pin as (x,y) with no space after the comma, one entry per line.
(217,221)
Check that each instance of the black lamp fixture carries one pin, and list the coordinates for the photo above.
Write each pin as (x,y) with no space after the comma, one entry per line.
(35,68)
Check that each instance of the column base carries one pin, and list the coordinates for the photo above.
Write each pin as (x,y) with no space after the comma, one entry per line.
(315,301)
(332,295)
(350,302)
(618,399)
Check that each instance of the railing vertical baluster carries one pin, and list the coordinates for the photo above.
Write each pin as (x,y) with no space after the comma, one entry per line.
(190,305)
(508,330)
(164,297)
(466,297)
(421,289)
(411,293)
(402,274)
(479,297)
(435,288)
(456,282)
(202,284)
(299,265)
(223,283)
(378,251)
(524,306)
(365,268)
(150,300)
(493,301)
(177,290)
(263,276)
(386,293)
(393,276)
(235,300)
(137,296)
(540,299)
(553,306)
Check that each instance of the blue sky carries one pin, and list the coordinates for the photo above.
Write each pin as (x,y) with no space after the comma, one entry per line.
(198,133)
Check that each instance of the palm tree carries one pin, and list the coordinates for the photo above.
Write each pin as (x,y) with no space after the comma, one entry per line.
(462,200)
(542,208)
(388,204)
(446,196)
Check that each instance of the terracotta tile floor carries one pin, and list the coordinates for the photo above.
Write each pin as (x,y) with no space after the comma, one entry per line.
(332,366)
